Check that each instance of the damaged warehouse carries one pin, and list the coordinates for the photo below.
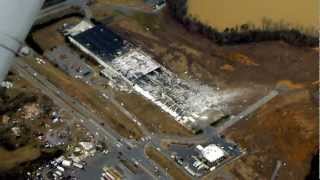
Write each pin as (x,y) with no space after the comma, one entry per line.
(190,103)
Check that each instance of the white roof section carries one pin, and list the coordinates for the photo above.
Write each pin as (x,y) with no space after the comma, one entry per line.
(79,28)
(212,153)
(134,64)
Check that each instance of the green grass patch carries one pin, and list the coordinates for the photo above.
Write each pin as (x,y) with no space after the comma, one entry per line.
(11,159)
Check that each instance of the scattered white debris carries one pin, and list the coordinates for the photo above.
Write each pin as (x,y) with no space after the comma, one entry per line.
(40,60)
(78,165)
(24,51)
(55,120)
(16,131)
(77,150)
(60,159)
(86,145)
(58,173)
(81,27)
(66,163)
(61,169)
(6,84)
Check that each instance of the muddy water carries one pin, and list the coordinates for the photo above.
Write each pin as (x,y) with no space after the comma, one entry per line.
(229,13)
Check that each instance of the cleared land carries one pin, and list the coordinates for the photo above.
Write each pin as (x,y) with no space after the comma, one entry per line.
(286,129)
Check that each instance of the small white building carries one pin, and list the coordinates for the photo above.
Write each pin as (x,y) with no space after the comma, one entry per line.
(211,152)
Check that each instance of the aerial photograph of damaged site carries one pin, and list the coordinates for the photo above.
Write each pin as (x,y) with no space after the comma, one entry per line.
(159,90)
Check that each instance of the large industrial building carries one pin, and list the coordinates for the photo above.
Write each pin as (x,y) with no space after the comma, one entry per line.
(189,103)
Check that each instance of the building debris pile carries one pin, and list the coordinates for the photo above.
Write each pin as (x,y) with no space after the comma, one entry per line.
(110,173)
(62,166)
(188,102)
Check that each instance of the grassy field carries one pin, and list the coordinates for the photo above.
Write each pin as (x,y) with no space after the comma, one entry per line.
(89,97)
(10,159)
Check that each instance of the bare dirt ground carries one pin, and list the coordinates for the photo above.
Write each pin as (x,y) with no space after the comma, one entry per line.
(285,129)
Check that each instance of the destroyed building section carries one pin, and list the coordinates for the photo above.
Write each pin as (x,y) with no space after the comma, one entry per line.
(39,136)
(188,102)
(134,65)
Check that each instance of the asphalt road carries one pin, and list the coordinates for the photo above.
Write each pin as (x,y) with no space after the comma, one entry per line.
(234,119)
(91,120)
(276,170)
(131,149)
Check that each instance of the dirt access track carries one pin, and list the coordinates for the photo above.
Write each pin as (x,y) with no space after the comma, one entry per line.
(284,129)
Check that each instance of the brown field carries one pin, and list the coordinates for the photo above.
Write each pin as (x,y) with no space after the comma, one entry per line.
(10,159)
(90,98)
(151,115)
(49,37)
(283,130)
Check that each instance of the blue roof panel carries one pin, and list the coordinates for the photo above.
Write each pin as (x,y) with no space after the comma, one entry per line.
(101,41)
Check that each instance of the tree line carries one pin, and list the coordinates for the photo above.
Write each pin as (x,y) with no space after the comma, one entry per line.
(245,33)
